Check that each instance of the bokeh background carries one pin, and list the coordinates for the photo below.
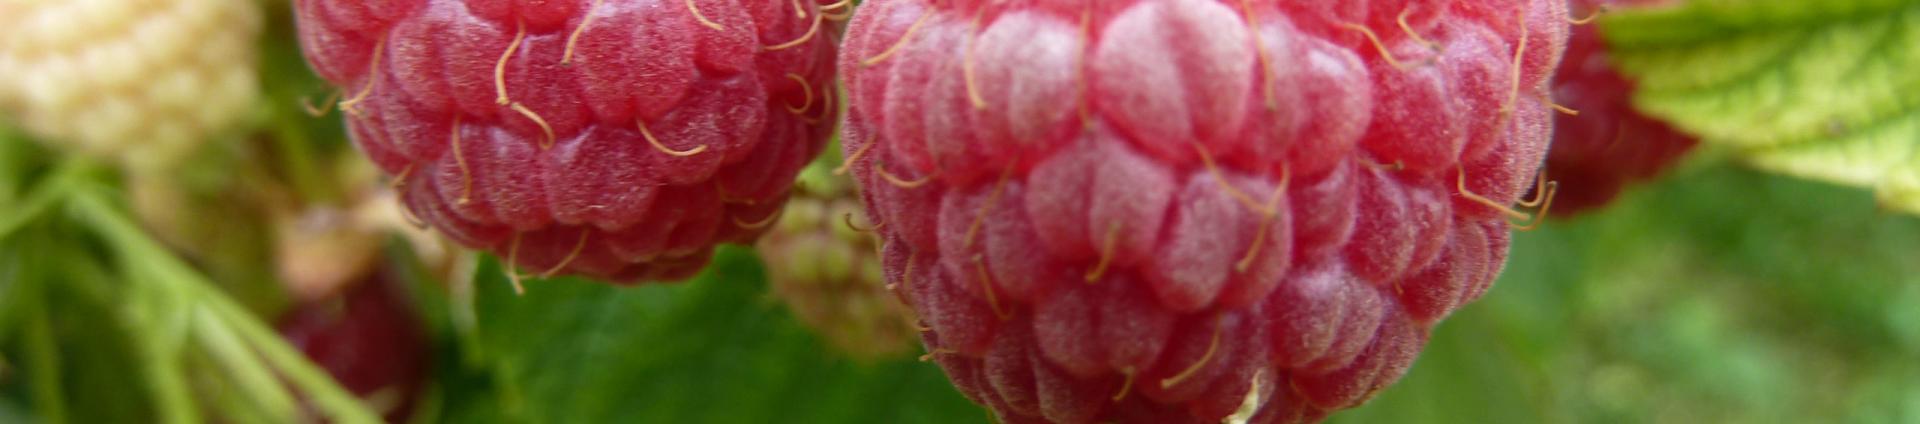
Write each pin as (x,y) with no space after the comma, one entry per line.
(1717,294)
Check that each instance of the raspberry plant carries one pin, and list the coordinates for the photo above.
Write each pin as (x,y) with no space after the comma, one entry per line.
(1717,294)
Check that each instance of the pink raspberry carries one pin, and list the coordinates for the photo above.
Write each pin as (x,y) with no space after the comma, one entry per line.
(1608,144)
(619,139)
(1189,210)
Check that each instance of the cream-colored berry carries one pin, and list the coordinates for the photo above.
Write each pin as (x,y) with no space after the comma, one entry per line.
(829,274)
(138,82)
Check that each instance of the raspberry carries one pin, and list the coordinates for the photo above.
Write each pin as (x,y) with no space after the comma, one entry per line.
(1608,145)
(617,139)
(828,272)
(1189,210)
(368,340)
(141,83)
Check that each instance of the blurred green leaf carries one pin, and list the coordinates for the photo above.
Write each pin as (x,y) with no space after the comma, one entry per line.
(715,349)
(1816,88)
(90,362)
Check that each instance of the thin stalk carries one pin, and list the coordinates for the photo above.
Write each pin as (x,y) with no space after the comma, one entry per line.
(126,237)
(43,362)
(49,192)
(252,379)
(327,394)
(296,153)
(225,395)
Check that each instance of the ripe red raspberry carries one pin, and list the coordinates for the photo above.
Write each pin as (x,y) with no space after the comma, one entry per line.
(1190,210)
(1608,144)
(369,340)
(619,139)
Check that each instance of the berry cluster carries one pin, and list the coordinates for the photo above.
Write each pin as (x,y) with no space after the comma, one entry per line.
(1126,210)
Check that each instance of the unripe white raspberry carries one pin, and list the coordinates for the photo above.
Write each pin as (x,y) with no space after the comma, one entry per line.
(827,271)
(136,81)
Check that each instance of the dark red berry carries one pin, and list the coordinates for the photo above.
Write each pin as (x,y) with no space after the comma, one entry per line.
(1608,145)
(369,339)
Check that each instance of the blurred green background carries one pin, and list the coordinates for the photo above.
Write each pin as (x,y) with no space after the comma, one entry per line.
(1718,294)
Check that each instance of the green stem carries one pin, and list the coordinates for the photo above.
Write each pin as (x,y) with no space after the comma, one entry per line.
(226,395)
(138,310)
(48,193)
(252,379)
(14,293)
(161,353)
(296,156)
(150,304)
(327,394)
(10,166)
(43,361)
(126,237)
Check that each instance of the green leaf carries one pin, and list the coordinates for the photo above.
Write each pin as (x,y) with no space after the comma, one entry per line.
(1824,89)
(715,349)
